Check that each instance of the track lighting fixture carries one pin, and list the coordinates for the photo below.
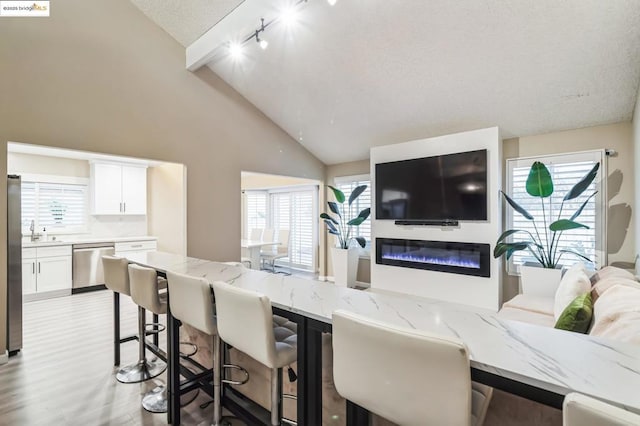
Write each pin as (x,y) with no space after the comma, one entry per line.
(288,17)
(262,42)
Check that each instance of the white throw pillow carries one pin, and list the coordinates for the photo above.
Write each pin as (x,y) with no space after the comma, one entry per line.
(574,283)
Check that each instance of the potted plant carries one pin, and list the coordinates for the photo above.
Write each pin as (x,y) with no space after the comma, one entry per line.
(345,254)
(543,243)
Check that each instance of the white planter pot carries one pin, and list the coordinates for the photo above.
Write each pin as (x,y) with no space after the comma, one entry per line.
(539,281)
(345,266)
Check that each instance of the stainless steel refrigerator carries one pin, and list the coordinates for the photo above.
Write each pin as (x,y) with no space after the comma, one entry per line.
(14,265)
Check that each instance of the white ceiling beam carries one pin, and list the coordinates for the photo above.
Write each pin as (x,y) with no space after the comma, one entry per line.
(238,24)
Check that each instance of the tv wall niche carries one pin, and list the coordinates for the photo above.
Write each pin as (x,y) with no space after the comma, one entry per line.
(476,157)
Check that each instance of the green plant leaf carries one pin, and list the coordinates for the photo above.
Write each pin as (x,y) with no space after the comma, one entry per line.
(334,208)
(361,241)
(575,253)
(333,232)
(509,248)
(356,221)
(326,216)
(539,183)
(507,233)
(517,207)
(577,213)
(584,183)
(364,214)
(356,192)
(338,194)
(330,226)
(565,225)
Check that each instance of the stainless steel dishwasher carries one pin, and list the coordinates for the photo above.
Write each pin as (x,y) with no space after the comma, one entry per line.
(87,266)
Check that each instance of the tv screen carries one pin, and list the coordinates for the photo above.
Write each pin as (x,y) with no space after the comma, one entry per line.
(452,186)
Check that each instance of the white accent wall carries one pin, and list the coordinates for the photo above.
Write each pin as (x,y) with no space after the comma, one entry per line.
(477,291)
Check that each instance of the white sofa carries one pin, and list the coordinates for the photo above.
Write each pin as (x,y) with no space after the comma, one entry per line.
(616,308)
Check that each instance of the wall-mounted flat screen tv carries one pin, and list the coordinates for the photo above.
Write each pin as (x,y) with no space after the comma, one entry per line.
(452,186)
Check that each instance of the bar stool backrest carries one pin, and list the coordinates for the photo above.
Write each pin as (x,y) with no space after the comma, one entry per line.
(245,321)
(581,410)
(116,274)
(144,288)
(405,376)
(191,301)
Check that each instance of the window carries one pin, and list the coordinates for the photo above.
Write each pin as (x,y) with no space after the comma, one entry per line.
(58,207)
(566,170)
(296,211)
(347,184)
(293,209)
(256,211)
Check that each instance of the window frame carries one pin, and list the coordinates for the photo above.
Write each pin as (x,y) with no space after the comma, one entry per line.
(58,180)
(601,203)
(365,252)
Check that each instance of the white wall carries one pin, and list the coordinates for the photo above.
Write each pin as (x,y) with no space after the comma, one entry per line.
(477,291)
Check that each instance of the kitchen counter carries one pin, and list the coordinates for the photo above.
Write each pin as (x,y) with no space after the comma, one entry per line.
(71,241)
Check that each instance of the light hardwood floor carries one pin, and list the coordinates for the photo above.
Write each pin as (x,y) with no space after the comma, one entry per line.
(65,374)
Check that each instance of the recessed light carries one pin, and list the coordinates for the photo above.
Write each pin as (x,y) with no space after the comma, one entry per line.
(332,2)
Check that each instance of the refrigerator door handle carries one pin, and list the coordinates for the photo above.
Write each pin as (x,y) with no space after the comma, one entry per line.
(33,267)
(38,267)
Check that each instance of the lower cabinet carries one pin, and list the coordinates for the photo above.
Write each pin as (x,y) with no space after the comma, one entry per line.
(46,269)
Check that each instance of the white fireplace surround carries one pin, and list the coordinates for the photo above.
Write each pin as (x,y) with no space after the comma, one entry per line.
(477,291)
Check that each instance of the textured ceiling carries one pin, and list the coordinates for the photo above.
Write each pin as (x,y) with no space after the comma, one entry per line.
(186,20)
(371,72)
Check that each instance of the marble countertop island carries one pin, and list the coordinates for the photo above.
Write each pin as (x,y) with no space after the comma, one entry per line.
(553,360)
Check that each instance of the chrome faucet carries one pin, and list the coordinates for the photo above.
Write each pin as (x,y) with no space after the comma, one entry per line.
(32,228)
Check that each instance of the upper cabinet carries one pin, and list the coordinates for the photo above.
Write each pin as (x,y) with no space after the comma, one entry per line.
(118,189)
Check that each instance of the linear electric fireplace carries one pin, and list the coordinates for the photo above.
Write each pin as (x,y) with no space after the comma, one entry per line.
(443,256)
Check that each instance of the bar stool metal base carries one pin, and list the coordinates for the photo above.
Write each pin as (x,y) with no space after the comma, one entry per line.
(141,371)
(155,401)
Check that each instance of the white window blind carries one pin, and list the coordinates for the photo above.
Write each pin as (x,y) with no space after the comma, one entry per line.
(566,170)
(363,201)
(58,207)
(295,211)
(256,210)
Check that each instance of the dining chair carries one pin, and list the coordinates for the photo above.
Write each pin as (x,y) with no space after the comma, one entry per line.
(281,251)
(255,234)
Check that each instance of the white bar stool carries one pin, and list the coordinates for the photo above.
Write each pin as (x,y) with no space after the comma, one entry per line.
(191,301)
(116,276)
(382,368)
(267,339)
(145,292)
(581,410)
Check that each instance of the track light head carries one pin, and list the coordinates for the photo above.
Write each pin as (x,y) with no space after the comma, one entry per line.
(332,2)
(263,44)
(235,50)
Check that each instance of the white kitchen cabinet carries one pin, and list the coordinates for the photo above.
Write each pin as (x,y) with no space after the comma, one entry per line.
(118,189)
(46,269)
(28,276)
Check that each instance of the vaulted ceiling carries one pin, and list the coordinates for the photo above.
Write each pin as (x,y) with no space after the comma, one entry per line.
(363,73)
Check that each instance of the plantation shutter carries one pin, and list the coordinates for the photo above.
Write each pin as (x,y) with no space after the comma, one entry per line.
(256,210)
(58,207)
(294,211)
(29,206)
(346,185)
(566,170)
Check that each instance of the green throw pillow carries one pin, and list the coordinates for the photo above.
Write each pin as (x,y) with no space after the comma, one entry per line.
(577,316)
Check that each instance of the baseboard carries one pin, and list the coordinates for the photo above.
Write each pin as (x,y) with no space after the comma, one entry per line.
(328,278)
(4,358)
